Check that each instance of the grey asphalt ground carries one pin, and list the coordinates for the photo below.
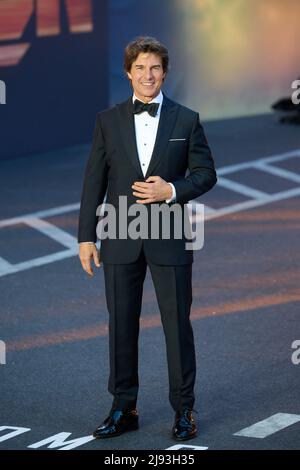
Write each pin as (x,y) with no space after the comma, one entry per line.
(245,311)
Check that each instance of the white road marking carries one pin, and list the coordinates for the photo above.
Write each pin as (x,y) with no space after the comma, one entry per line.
(225,170)
(14,431)
(21,219)
(241,188)
(260,430)
(241,206)
(58,441)
(257,198)
(208,210)
(35,262)
(269,426)
(187,447)
(52,231)
(4,265)
(35,220)
(277,172)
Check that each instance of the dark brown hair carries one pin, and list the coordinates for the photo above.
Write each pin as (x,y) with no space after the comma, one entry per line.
(145,44)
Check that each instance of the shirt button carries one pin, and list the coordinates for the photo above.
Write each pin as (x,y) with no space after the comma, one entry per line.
(143,164)
(145,144)
(146,124)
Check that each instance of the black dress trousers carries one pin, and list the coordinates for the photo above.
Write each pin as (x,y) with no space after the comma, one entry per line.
(124,289)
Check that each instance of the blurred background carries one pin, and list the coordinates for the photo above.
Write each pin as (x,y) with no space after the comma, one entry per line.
(61,61)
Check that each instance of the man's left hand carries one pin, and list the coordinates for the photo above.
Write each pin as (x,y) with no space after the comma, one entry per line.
(154,189)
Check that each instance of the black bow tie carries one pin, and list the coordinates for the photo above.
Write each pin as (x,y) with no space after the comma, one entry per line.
(139,107)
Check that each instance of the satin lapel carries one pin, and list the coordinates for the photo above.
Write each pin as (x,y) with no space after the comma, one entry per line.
(126,122)
(167,120)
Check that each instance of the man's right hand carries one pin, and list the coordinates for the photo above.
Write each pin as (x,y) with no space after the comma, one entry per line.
(88,251)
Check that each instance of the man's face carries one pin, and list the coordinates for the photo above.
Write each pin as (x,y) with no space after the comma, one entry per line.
(146,76)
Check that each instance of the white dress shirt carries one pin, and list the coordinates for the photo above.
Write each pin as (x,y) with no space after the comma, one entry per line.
(145,131)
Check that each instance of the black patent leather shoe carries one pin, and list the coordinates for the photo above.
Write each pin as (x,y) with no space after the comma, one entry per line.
(117,423)
(184,426)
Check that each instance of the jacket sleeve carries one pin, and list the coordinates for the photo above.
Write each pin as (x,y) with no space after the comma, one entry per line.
(94,186)
(202,175)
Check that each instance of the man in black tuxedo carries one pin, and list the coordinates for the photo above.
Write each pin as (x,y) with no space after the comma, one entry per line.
(143,149)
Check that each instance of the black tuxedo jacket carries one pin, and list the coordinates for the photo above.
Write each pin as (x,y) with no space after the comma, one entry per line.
(113,166)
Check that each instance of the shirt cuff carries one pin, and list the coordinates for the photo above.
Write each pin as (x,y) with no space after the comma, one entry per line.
(85,242)
(173,198)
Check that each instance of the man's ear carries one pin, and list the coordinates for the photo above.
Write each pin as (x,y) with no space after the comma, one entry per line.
(129,75)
